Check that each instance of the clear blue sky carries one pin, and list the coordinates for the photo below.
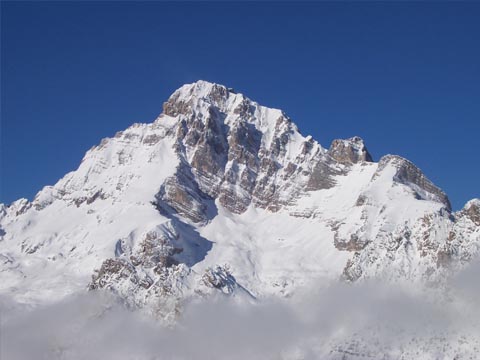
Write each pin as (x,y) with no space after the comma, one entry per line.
(404,76)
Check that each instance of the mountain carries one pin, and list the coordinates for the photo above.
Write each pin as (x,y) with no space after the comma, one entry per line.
(222,195)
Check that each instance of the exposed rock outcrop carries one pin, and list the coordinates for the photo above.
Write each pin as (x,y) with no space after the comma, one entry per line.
(233,158)
(349,151)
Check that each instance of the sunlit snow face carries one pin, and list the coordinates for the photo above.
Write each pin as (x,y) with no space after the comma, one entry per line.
(370,318)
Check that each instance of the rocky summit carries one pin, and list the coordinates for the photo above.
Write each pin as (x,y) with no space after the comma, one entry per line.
(222,195)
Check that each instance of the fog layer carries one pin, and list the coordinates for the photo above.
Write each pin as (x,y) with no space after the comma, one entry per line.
(328,322)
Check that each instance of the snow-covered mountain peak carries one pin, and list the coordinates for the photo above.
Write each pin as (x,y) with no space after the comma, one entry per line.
(220,193)
(221,197)
(202,97)
(202,89)
(198,97)
(407,173)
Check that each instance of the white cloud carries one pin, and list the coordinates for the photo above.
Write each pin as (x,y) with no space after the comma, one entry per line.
(383,319)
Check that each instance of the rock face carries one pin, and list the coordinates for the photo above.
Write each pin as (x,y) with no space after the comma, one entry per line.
(221,194)
(241,153)
(471,211)
(350,151)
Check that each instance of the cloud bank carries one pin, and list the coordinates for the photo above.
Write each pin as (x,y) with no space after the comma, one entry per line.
(332,322)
